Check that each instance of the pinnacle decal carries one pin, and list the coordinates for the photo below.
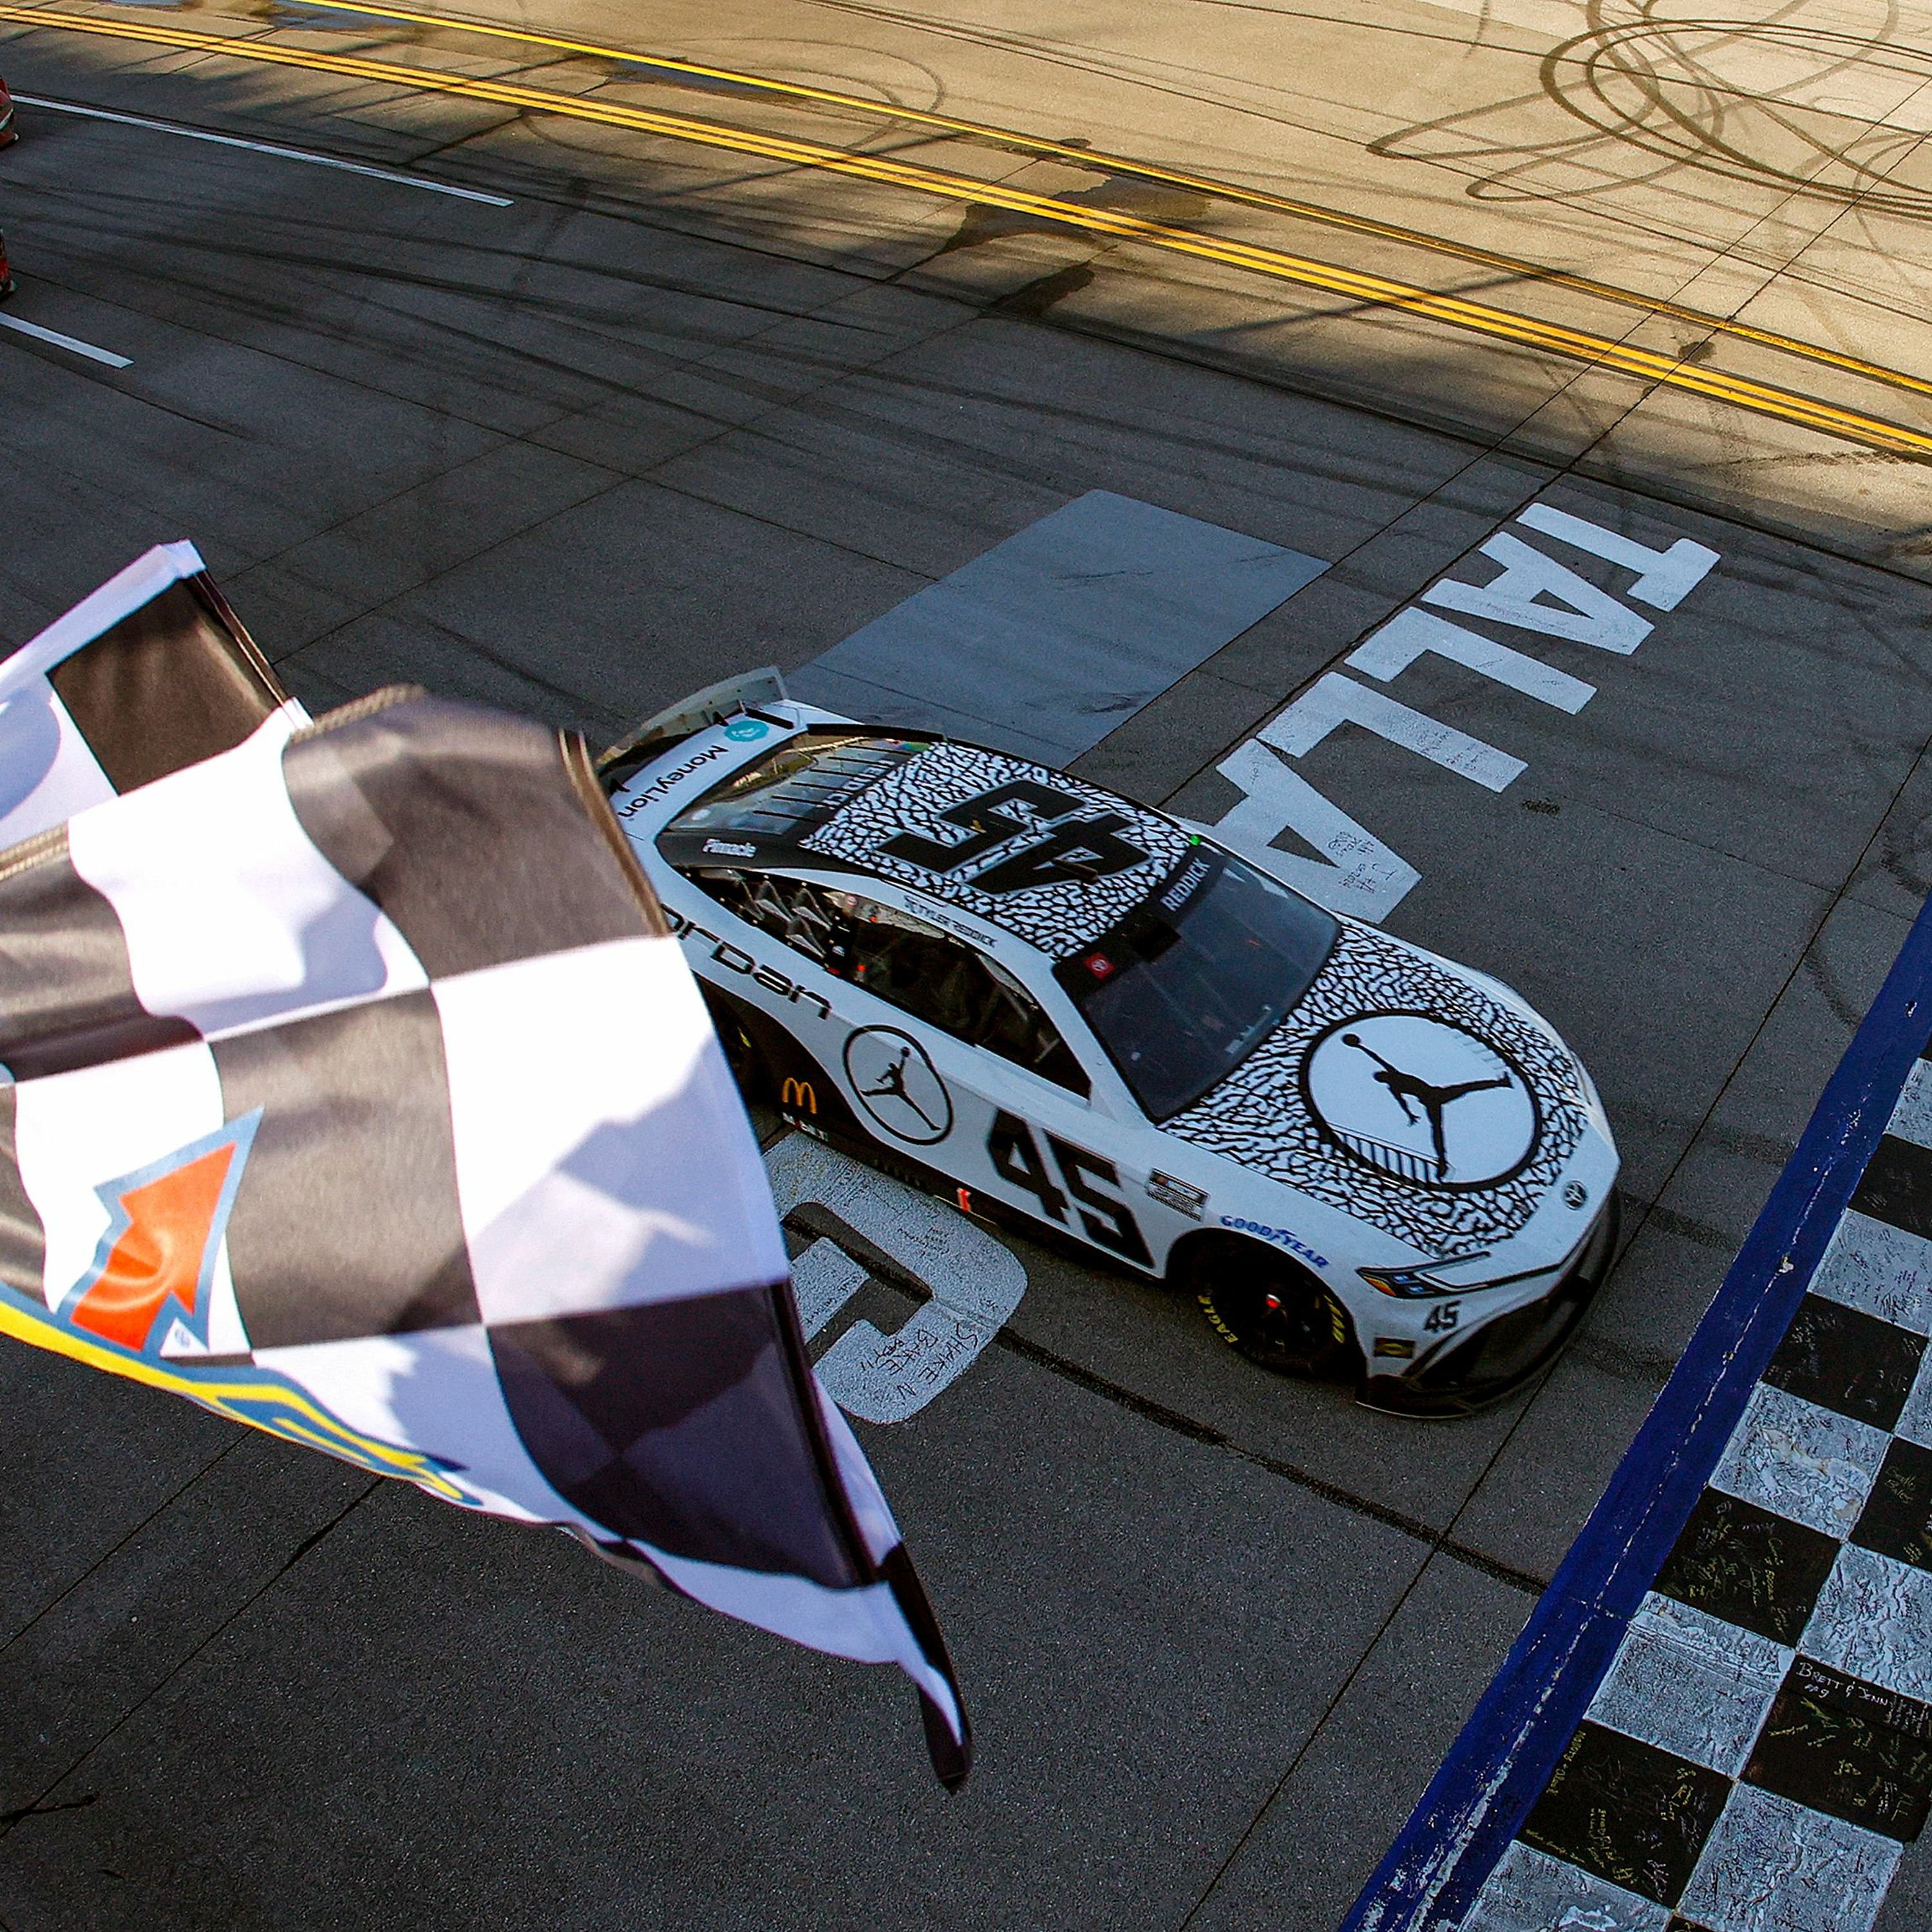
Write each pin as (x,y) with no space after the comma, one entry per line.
(153,1270)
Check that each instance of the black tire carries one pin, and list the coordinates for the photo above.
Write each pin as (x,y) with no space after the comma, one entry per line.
(1273,1310)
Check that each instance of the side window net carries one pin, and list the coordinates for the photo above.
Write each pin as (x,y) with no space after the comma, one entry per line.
(791,911)
(901,959)
(951,985)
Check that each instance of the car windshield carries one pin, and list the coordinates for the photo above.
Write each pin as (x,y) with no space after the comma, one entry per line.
(1184,988)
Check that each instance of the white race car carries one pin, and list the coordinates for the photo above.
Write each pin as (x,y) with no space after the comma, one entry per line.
(1039,1000)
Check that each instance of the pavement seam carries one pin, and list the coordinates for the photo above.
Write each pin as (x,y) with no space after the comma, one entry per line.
(1180,1424)
(108,1555)
(442,476)
(1679,838)
(694,495)
(618,481)
(9,1819)
(1440,1547)
(650,474)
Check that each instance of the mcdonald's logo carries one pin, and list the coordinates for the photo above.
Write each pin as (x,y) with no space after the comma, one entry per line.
(799,1093)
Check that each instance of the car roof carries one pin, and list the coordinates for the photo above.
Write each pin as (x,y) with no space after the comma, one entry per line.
(1034,852)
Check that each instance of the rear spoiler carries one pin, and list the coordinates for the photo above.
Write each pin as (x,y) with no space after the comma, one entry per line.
(729,697)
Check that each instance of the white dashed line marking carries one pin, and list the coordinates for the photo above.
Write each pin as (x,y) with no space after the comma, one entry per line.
(268,148)
(71,343)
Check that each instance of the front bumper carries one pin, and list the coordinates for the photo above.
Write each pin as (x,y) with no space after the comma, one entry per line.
(1473,1372)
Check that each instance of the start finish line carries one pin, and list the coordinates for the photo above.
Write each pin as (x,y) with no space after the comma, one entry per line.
(1719,1718)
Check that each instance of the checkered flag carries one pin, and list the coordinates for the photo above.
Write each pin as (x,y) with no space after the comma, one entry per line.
(151,672)
(360,1095)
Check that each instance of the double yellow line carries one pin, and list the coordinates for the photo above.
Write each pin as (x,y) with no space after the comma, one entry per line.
(1352,285)
(1232,192)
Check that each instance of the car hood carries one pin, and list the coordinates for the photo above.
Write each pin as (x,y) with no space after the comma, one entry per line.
(1403,1092)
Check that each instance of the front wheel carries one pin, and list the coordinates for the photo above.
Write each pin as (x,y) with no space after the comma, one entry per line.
(1272,1309)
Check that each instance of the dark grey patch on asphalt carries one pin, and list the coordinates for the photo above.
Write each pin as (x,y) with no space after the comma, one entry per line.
(1687,1229)
(1036,298)
(1057,636)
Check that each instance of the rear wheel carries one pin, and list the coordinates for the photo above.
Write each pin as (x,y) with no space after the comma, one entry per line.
(1272,1309)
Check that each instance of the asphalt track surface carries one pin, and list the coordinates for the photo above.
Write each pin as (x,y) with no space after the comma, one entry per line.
(578,455)
(1100,217)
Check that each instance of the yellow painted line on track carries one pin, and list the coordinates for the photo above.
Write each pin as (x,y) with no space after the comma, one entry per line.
(1352,285)
(1152,171)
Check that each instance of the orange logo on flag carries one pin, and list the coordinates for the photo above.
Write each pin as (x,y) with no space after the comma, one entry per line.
(168,1221)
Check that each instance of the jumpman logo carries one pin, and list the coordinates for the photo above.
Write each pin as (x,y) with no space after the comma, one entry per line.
(892,1086)
(1433,1100)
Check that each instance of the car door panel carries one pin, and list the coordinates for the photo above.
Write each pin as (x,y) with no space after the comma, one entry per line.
(878,1073)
